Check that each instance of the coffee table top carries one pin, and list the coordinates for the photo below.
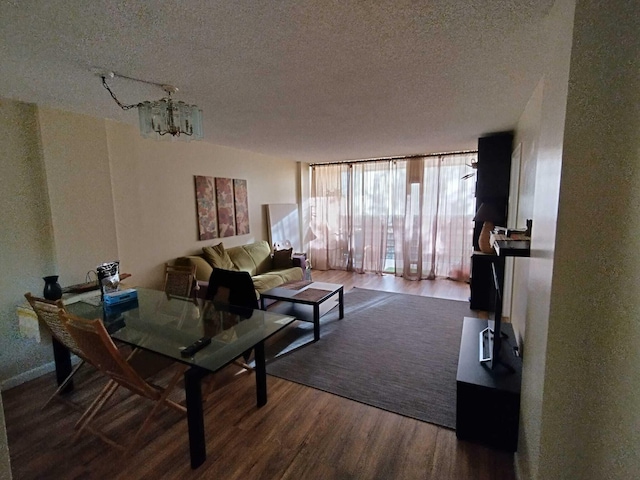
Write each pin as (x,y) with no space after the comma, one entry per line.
(299,292)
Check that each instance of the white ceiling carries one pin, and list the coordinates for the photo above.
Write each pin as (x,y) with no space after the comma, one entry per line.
(308,80)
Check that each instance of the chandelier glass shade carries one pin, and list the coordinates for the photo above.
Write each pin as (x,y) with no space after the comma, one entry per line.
(161,117)
(165,116)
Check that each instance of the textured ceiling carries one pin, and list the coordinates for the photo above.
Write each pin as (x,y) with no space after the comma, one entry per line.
(306,80)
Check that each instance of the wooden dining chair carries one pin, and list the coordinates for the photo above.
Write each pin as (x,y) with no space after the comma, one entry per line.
(180,280)
(132,373)
(47,313)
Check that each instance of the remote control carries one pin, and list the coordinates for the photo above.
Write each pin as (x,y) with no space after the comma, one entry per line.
(195,346)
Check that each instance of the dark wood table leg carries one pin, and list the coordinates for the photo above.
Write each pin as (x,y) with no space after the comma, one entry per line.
(316,322)
(195,416)
(62,358)
(262,303)
(261,375)
(341,302)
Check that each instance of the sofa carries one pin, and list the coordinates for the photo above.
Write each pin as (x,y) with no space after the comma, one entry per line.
(268,270)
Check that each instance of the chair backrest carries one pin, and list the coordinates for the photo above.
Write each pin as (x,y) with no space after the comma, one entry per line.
(234,288)
(47,312)
(179,280)
(96,345)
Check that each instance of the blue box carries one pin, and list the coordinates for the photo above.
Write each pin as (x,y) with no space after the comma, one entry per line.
(121,296)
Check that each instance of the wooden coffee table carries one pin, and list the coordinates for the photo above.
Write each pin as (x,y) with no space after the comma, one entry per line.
(307,302)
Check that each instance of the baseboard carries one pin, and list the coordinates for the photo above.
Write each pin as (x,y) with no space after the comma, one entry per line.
(32,374)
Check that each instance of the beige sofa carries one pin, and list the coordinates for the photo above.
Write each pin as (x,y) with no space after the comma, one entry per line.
(267,271)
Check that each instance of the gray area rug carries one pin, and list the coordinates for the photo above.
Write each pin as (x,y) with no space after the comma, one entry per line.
(392,351)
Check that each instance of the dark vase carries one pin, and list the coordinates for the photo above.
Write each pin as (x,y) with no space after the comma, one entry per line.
(52,289)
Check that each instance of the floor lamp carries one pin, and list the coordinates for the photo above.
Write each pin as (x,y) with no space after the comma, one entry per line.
(487,214)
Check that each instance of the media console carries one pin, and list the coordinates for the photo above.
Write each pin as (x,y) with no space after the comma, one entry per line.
(488,400)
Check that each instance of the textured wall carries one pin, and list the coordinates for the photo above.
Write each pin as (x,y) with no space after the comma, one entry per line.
(590,422)
(26,241)
(540,196)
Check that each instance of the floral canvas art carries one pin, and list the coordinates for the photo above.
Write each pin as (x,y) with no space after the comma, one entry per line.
(206,207)
(241,203)
(226,210)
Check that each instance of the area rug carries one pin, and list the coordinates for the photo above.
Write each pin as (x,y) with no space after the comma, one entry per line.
(392,351)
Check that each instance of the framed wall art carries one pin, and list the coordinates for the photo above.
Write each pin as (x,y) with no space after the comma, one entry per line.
(206,207)
(222,206)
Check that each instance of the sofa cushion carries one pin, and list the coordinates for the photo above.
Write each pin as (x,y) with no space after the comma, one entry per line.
(275,278)
(260,253)
(266,281)
(293,274)
(282,259)
(242,260)
(218,257)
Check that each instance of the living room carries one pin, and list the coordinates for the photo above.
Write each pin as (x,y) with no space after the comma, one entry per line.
(81,189)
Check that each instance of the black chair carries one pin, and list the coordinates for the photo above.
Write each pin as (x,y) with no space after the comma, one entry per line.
(233,291)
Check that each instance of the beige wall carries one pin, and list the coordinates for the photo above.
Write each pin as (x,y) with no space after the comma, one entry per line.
(579,290)
(591,421)
(77,167)
(540,184)
(26,240)
(526,136)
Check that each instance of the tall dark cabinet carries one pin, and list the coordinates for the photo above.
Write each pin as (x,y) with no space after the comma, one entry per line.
(492,186)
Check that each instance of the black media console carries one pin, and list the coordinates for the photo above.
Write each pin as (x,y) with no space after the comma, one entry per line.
(488,401)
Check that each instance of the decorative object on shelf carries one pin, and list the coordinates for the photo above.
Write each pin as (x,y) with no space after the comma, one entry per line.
(161,117)
(52,289)
(489,216)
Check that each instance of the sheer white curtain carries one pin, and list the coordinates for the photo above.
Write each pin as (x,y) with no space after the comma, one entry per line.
(433,211)
(329,217)
(408,217)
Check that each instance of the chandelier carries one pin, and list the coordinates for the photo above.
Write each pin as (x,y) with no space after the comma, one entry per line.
(161,117)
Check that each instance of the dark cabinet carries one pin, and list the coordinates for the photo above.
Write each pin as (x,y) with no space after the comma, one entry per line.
(492,176)
(492,186)
(487,401)
(482,290)
(494,166)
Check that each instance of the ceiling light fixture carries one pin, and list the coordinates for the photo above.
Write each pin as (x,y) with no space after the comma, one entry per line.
(161,117)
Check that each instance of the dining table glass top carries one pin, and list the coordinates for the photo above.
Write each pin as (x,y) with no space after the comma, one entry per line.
(166,324)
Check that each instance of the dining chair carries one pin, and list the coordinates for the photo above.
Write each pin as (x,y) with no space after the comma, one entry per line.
(133,373)
(180,280)
(233,288)
(234,291)
(47,313)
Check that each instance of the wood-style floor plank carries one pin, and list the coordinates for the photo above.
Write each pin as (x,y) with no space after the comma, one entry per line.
(300,433)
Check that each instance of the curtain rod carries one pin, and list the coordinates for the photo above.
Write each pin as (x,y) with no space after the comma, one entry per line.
(386,159)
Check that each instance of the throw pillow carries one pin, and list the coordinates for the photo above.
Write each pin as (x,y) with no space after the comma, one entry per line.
(218,257)
(282,259)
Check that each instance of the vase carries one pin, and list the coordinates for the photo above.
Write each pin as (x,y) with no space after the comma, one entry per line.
(52,289)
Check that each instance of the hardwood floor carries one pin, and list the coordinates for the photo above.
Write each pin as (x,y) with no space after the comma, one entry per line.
(300,433)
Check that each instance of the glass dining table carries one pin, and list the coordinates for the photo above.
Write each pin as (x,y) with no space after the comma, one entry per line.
(166,324)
